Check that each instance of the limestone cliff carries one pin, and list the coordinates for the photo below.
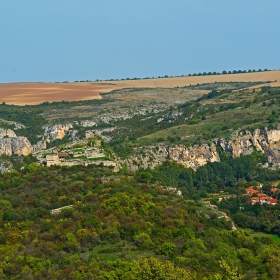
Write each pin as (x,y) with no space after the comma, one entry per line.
(7,133)
(263,140)
(57,131)
(11,144)
(195,156)
(16,145)
(191,157)
(39,146)
(241,143)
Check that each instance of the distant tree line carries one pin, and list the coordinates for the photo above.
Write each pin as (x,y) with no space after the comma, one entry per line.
(224,72)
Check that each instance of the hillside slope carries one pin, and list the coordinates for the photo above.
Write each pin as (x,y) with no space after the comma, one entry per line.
(116,226)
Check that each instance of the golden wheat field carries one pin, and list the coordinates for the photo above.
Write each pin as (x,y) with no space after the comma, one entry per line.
(36,93)
(187,80)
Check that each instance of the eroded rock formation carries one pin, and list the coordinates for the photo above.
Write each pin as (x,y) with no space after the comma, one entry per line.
(193,157)
(57,131)
(16,145)
(241,143)
(39,146)
(263,140)
(7,133)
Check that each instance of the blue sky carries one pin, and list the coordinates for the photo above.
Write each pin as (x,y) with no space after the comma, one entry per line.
(66,40)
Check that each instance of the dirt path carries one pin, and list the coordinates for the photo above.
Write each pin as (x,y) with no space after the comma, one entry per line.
(222,215)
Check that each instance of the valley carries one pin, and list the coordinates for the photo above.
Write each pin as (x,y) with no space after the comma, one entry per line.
(157,175)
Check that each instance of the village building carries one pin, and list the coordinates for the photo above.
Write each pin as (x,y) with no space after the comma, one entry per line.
(263,199)
(253,190)
(226,196)
(63,155)
(52,159)
(259,197)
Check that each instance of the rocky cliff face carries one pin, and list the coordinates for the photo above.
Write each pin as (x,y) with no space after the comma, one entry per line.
(57,131)
(263,140)
(195,156)
(11,144)
(16,145)
(39,146)
(153,156)
(7,133)
(146,157)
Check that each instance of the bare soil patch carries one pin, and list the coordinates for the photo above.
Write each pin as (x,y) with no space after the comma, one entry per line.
(36,93)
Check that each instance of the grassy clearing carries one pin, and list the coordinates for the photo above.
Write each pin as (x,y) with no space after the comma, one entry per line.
(98,158)
(221,124)
(273,237)
(90,159)
(78,150)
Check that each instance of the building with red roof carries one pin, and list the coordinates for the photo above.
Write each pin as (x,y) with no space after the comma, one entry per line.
(251,190)
(261,197)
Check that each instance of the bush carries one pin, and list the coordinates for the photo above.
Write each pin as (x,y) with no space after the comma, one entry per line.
(166,249)
(143,241)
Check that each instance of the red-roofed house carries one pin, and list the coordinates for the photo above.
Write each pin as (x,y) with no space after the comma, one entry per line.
(263,198)
(251,190)
(272,201)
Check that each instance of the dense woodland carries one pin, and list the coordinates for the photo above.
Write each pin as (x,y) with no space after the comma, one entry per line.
(128,226)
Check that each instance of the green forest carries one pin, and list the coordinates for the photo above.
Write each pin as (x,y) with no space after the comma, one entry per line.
(128,225)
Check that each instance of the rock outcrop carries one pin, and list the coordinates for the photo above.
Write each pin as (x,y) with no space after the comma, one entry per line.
(39,146)
(5,166)
(146,157)
(11,144)
(11,123)
(241,143)
(87,123)
(193,157)
(7,133)
(57,131)
(263,140)
(16,145)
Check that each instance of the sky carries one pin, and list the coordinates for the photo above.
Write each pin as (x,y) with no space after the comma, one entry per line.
(70,40)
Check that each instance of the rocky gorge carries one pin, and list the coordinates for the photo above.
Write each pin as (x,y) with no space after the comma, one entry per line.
(241,143)
(264,140)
